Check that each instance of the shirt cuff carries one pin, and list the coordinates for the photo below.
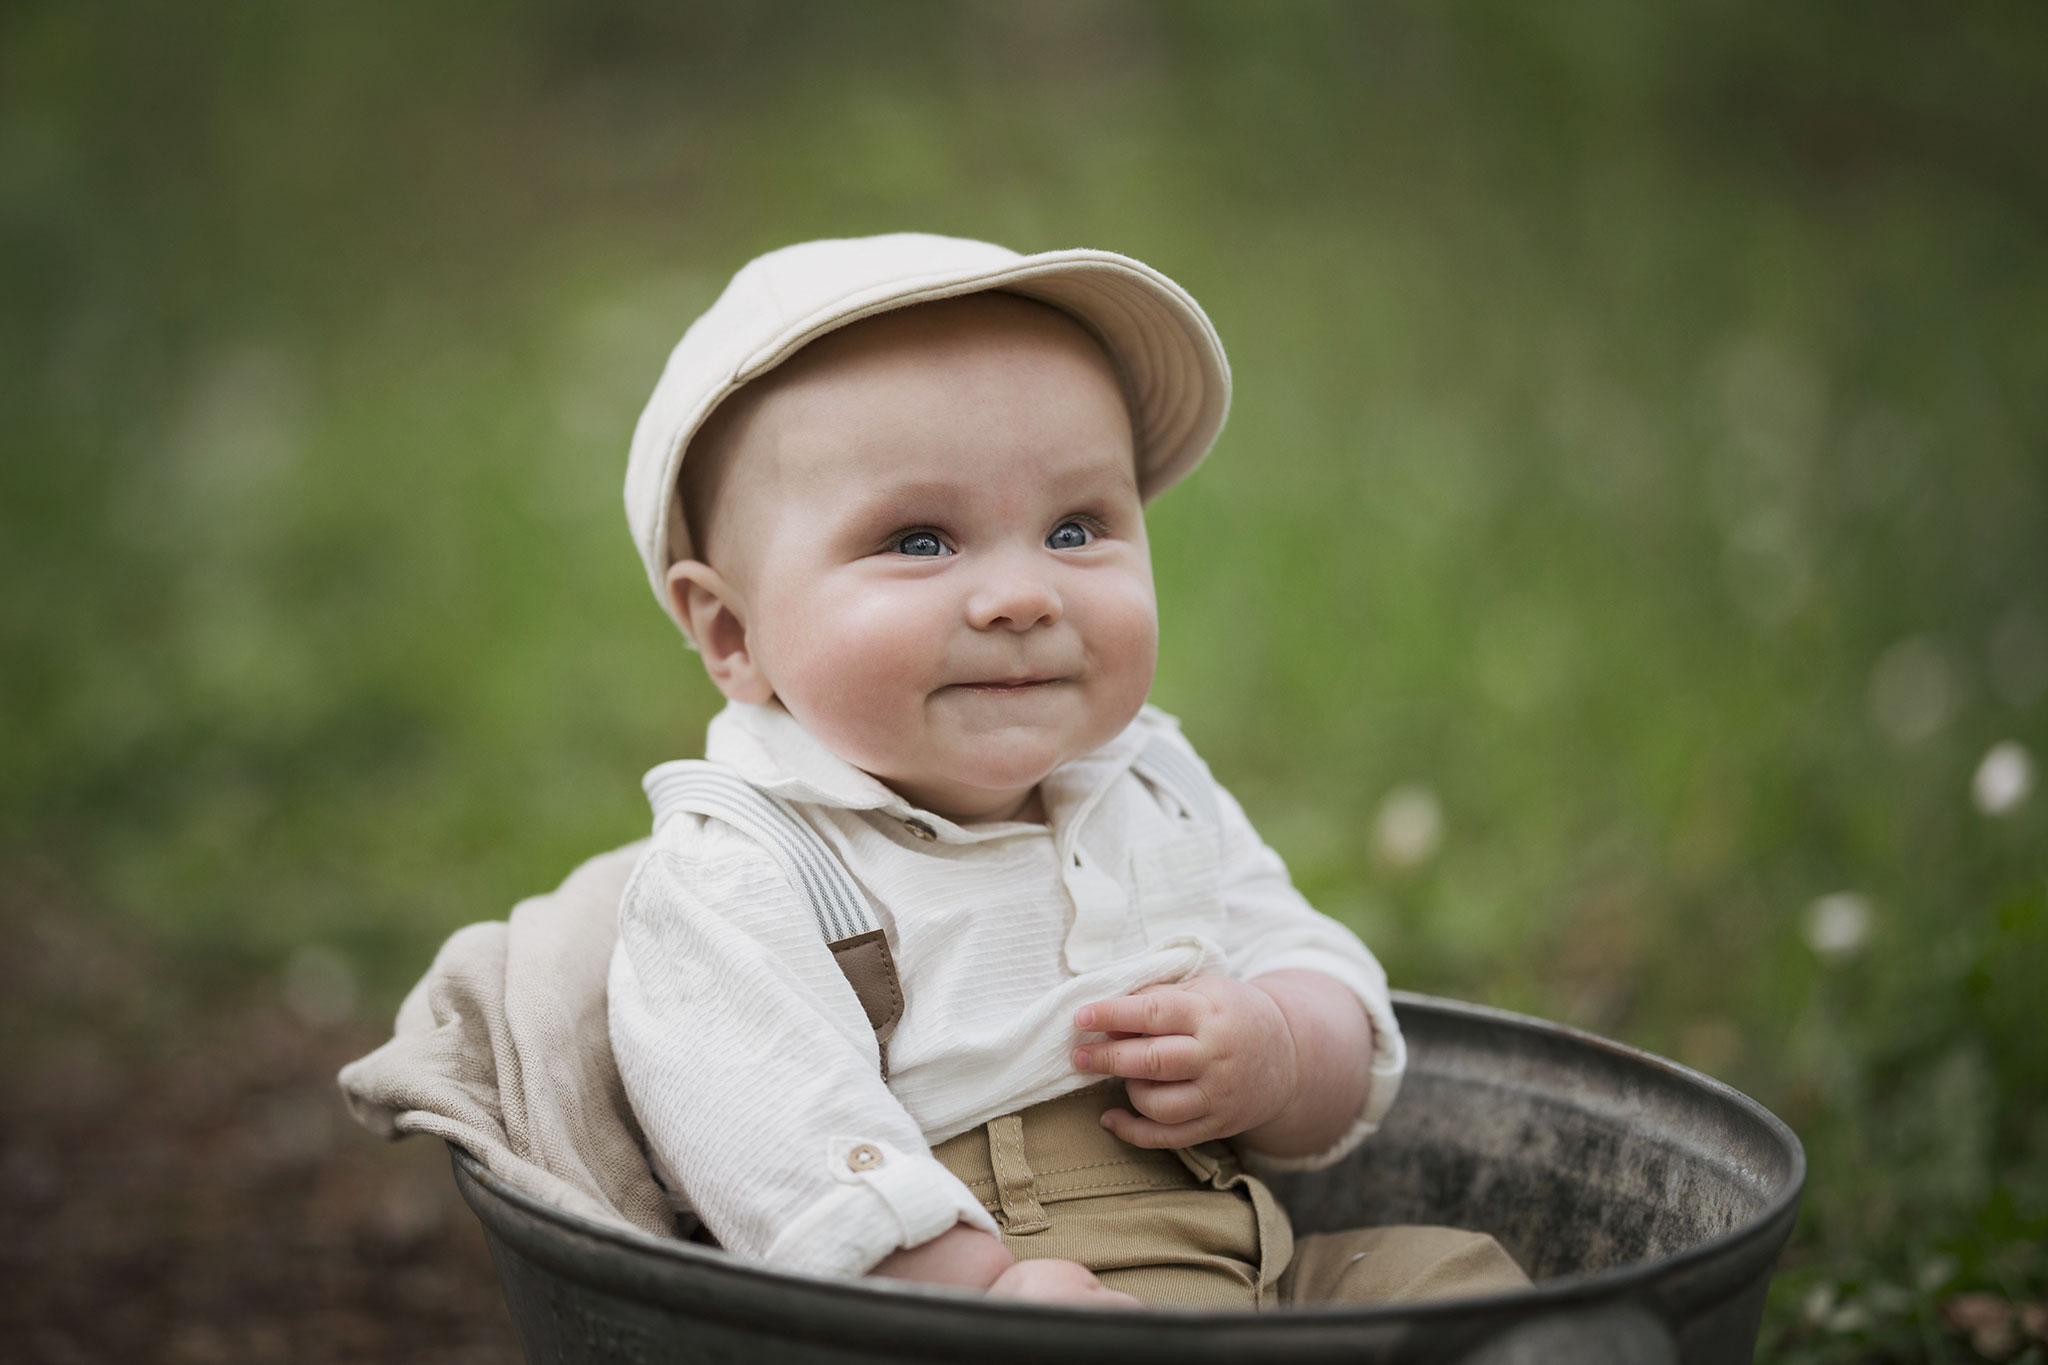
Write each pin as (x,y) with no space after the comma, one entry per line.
(884,1199)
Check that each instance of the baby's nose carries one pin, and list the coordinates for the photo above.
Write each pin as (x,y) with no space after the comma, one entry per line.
(1012,596)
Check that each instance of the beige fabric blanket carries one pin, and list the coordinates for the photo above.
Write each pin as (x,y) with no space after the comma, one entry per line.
(504,1049)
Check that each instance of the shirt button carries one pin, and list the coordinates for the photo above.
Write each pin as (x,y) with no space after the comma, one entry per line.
(865,1157)
(921,830)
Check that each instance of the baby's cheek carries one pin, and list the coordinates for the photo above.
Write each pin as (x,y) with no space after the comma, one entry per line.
(850,676)
(1126,639)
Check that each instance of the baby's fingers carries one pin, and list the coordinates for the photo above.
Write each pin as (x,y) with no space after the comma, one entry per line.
(1176,1057)
(1055,1281)
(1152,1012)
(1140,1131)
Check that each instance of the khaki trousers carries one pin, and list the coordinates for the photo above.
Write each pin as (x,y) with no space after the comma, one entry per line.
(1190,1228)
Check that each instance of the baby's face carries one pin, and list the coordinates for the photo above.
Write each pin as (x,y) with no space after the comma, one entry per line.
(930,532)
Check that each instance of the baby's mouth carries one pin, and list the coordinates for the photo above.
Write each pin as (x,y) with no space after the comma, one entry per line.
(1007,685)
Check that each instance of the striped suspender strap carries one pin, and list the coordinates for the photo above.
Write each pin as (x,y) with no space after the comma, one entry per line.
(1174,774)
(846,921)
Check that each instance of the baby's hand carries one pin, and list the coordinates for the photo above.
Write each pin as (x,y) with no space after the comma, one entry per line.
(1047,1279)
(1211,1058)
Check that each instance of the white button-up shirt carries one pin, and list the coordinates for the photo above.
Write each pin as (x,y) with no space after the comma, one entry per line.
(752,1067)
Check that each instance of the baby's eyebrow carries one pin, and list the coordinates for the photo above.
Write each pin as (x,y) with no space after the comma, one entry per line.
(902,500)
(889,505)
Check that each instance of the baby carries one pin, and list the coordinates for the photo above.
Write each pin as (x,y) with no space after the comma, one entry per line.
(953,964)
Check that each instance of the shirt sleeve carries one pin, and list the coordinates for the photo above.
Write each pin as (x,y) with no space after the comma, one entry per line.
(753,1070)
(1269,927)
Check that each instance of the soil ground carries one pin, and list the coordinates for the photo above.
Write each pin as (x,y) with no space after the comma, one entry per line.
(180,1182)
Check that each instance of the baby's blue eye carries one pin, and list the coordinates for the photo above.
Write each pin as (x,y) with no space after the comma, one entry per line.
(921,543)
(1068,535)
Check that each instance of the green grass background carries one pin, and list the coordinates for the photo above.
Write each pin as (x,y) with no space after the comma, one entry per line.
(1640,446)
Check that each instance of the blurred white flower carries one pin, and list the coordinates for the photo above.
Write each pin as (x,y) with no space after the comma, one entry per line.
(1850,1317)
(1934,1273)
(1408,828)
(1838,926)
(2004,779)
(319,986)
(1913,691)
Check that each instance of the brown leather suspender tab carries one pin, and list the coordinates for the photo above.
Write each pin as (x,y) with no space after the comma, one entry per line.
(871,971)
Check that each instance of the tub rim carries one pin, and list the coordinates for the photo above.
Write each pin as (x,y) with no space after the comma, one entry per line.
(1637,1280)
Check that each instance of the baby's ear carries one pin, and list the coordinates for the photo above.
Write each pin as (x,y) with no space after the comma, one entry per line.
(714,618)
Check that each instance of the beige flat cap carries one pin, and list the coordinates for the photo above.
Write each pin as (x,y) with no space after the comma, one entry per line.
(1165,351)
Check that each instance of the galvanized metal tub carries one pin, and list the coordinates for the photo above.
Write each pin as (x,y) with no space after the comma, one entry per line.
(1647,1200)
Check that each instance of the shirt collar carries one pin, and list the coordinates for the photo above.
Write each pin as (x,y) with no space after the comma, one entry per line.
(766,746)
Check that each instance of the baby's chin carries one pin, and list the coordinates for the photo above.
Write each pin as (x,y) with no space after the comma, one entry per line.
(980,779)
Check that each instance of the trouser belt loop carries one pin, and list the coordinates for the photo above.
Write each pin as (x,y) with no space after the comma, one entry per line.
(1276,1240)
(1218,1167)
(1016,1190)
